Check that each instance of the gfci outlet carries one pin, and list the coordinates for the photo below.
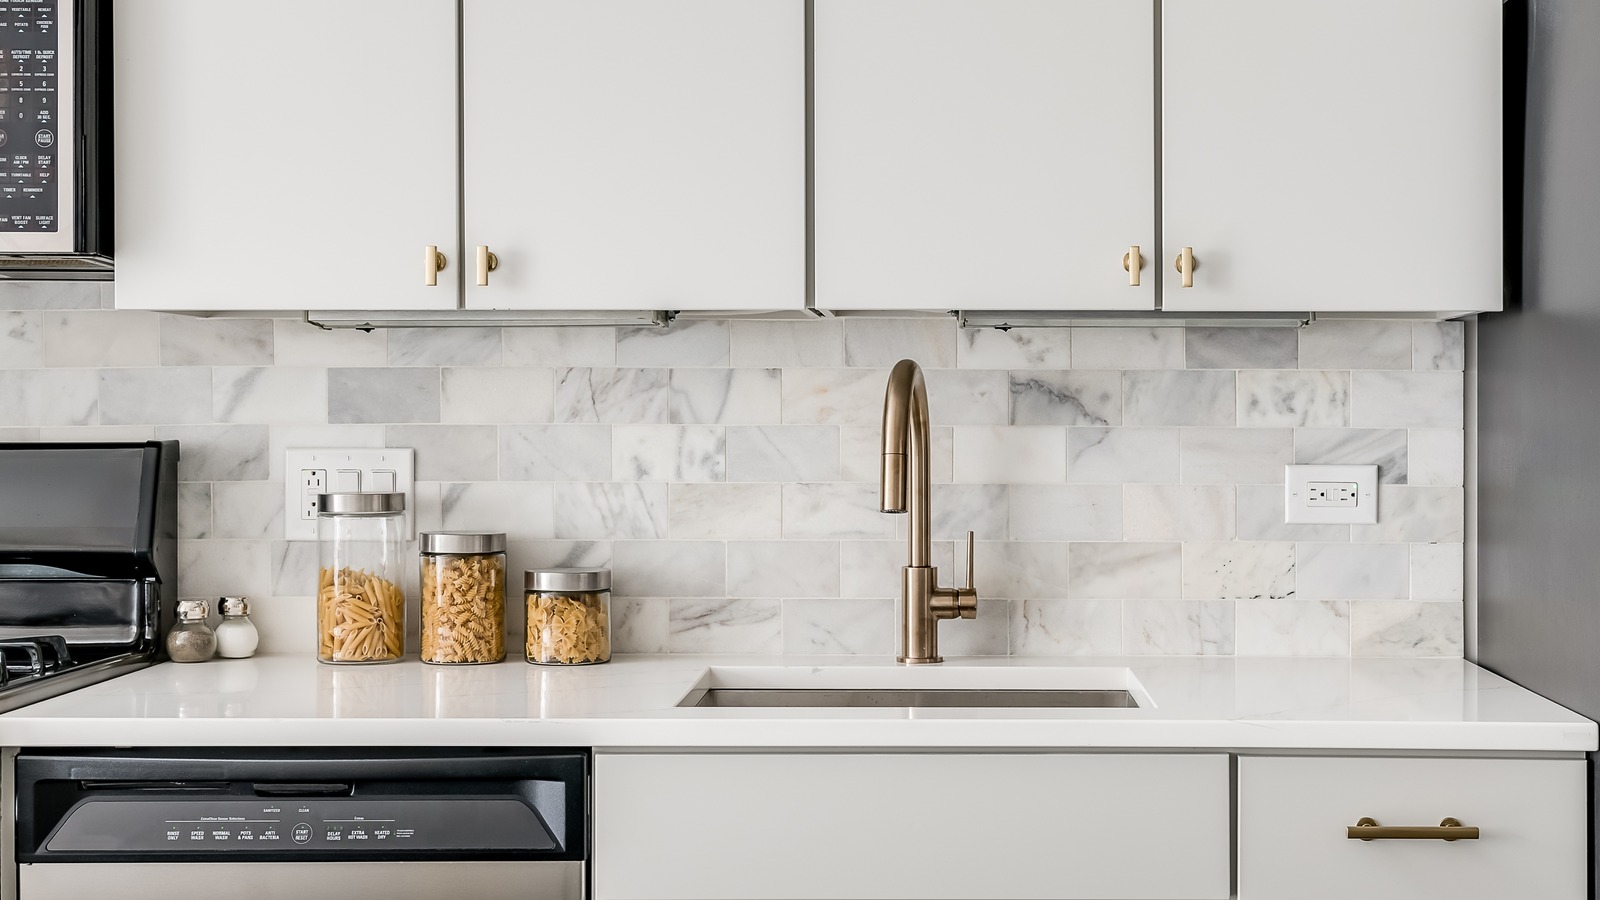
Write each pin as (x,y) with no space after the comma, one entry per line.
(307,473)
(1330,494)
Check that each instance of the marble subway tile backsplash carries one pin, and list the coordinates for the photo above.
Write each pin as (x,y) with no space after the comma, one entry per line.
(1124,484)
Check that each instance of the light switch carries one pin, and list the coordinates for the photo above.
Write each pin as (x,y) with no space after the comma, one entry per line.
(391,469)
(346,480)
(382,480)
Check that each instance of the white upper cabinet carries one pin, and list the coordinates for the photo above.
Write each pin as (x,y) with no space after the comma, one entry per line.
(973,154)
(290,155)
(1334,156)
(635,154)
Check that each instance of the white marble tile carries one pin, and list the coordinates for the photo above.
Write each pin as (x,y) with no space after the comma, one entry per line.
(958,397)
(1066,628)
(566,555)
(1127,348)
(669,453)
(383,395)
(444,347)
(1190,397)
(224,568)
(247,510)
(1438,457)
(1292,628)
(607,511)
(8,433)
(93,338)
(1260,510)
(725,626)
(72,434)
(522,510)
(194,511)
(987,635)
(1238,570)
(1294,398)
(150,396)
(883,342)
(795,569)
(292,571)
(861,453)
(1124,570)
(639,625)
(669,568)
(51,397)
(1066,512)
(1010,455)
(297,342)
(1418,514)
(834,396)
(1014,348)
(835,626)
(1066,398)
(269,395)
(1241,348)
(1438,346)
(1352,571)
(813,344)
(1122,455)
(219,452)
(1178,627)
(1177,512)
(427,506)
(493,396)
(1235,455)
(197,341)
(1356,344)
(555,452)
(872,568)
(1406,628)
(783,453)
(687,342)
(724,511)
(1438,572)
(559,347)
(1383,447)
(980,508)
(1407,399)
(631,396)
(52,295)
(834,512)
(726,396)
(283,437)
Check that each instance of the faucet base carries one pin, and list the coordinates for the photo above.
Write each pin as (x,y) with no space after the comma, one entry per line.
(918,660)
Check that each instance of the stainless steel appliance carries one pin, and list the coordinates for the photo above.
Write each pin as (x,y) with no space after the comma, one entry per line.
(249,823)
(88,562)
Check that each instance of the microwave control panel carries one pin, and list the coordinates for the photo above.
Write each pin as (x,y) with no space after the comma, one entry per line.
(31,101)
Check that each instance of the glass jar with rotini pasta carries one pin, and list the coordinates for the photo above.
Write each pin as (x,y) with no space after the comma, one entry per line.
(463,582)
(361,549)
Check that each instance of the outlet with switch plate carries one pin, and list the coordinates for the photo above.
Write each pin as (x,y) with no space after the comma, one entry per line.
(1330,494)
(308,473)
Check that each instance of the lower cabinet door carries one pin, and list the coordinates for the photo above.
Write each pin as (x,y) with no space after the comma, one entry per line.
(924,826)
(1294,813)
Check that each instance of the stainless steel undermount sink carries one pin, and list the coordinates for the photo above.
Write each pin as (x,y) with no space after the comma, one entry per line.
(949,699)
(924,687)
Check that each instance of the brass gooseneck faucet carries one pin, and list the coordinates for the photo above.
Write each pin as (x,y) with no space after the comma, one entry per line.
(907,488)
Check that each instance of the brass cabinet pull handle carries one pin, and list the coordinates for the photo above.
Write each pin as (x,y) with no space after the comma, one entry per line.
(1185,265)
(432,262)
(487,262)
(1367,829)
(1133,262)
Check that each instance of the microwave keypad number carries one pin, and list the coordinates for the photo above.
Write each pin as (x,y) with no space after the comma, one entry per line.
(29,100)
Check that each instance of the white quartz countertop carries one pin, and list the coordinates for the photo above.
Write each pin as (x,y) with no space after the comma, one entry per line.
(631,702)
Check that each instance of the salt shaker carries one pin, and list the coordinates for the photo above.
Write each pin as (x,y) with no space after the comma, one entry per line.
(191,640)
(237,637)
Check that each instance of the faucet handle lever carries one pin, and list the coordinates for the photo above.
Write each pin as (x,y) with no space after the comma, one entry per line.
(969,563)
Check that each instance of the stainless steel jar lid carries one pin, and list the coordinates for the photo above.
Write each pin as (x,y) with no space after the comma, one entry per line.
(463,542)
(361,503)
(578,581)
(193,610)
(234,606)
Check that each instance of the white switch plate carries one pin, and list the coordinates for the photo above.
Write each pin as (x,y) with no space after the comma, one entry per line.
(1325,505)
(309,472)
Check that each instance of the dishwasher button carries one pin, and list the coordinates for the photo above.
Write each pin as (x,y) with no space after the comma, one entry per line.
(302,833)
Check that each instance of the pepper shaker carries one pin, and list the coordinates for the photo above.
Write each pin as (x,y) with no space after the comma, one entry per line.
(237,637)
(191,640)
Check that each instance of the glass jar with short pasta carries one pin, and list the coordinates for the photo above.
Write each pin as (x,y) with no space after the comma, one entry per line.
(463,581)
(361,606)
(569,616)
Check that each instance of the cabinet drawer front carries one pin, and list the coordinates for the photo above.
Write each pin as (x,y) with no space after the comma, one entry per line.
(866,826)
(1293,813)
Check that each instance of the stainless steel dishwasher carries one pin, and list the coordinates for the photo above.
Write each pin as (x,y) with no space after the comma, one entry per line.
(302,823)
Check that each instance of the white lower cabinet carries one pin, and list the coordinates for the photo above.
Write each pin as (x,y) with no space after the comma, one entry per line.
(1293,815)
(918,826)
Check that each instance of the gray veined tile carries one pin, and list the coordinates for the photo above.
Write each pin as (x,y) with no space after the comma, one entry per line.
(884,342)
(444,347)
(1294,398)
(1235,455)
(834,396)
(1178,512)
(1066,512)
(861,453)
(872,568)
(1127,348)
(669,453)
(196,341)
(1066,627)
(1178,627)
(783,453)
(624,396)
(1439,346)
(247,510)
(270,395)
(559,347)
(1188,397)
(1406,628)
(979,508)
(219,452)
(21,340)
(1125,570)
(53,295)
(292,569)
(957,397)
(669,568)
(151,396)
(639,625)
(220,568)
(98,338)
(987,635)
(49,397)
(834,512)
(1238,570)
(1352,571)
(1014,348)
(194,511)
(727,396)
(610,511)
(1408,399)
(497,395)
(790,569)
(1261,510)
(555,453)
(699,342)
(806,344)
(1241,348)
(838,626)
(1122,455)
(724,511)
(1385,448)
(1066,398)
(1279,628)
(524,511)
(383,395)
(1417,514)
(1019,570)
(1356,344)
(1010,455)
(725,626)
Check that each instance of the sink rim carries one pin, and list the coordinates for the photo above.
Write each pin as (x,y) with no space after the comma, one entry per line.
(933,698)
(914,678)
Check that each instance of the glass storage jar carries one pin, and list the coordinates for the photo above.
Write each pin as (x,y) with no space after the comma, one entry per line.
(191,639)
(569,616)
(463,597)
(361,609)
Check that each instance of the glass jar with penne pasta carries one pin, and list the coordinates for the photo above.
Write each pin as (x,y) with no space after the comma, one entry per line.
(463,597)
(361,606)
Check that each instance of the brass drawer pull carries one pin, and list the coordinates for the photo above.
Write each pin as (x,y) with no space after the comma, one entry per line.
(1368,829)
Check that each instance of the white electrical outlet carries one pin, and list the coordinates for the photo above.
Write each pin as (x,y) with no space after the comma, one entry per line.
(308,473)
(1330,494)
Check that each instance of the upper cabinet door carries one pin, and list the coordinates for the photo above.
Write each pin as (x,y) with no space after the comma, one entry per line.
(297,155)
(1332,156)
(983,154)
(635,154)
